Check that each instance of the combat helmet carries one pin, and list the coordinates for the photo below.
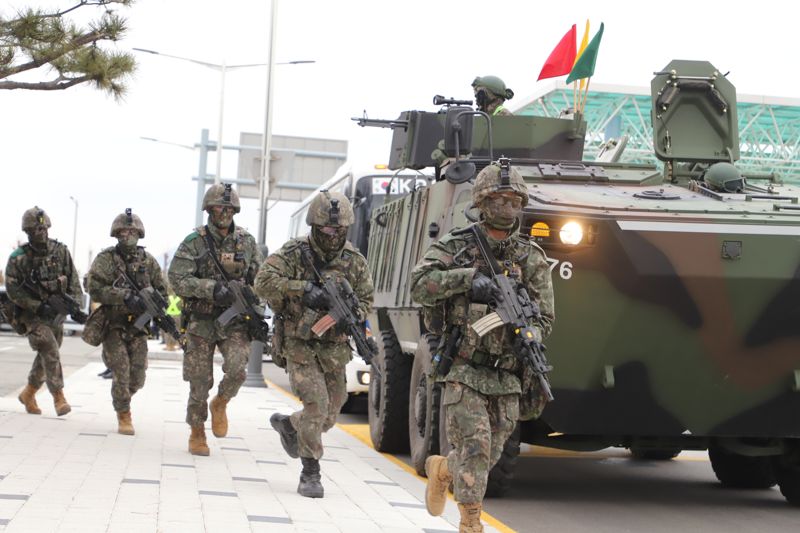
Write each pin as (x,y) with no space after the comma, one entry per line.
(724,177)
(127,220)
(495,178)
(221,194)
(494,85)
(330,209)
(34,217)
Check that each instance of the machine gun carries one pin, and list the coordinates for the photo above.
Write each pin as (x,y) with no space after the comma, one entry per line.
(344,304)
(441,100)
(364,121)
(60,301)
(513,307)
(244,306)
(155,310)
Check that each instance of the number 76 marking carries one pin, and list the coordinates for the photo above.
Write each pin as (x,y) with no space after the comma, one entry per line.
(565,270)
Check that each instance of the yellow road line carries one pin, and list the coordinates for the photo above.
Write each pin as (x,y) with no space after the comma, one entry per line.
(361,432)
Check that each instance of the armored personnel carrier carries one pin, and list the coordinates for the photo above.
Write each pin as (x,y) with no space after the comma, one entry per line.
(677,316)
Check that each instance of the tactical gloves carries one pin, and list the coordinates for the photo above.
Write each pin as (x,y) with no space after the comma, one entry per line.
(134,303)
(223,296)
(46,311)
(315,298)
(483,289)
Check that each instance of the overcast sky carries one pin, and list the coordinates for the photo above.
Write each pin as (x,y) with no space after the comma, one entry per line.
(378,56)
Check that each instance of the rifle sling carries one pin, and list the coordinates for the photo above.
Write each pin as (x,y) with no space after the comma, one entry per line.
(213,249)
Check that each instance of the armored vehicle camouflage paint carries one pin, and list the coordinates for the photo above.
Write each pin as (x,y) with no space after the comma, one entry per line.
(677,316)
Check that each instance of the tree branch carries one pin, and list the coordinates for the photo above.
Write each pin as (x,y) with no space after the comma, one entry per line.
(76,43)
(55,85)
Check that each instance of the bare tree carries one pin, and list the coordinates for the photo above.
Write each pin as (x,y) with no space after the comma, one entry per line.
(62,53)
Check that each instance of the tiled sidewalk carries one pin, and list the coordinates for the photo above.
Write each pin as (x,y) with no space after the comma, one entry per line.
(75,473)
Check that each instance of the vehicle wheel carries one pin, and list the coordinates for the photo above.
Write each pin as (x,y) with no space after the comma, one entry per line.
(788,477)
(654,454)
(741,471)
(423,401)
(388,397)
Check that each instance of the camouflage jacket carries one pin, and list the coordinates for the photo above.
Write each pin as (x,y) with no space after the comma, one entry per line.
(283,277)
(193,274)
(441,281)
(54,271)
(107,286)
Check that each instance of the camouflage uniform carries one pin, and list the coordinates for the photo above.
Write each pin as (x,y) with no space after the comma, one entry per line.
(193,276)
(124,345)
(316,365)
(50,263)
(482,389)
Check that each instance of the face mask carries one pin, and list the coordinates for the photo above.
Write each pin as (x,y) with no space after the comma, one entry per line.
(38,236)
(222,219)
(501,211)
(481,98)
(128,242)
(330,238)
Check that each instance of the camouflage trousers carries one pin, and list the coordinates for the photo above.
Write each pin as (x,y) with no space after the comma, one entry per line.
(45,340)
(125,353)
(198,370)
(323,392)
(478,427)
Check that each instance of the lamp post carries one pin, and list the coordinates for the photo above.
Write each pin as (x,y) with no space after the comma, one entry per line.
(222,68)
(74,227)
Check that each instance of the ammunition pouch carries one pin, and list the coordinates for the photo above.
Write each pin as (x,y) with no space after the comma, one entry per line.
(96,327)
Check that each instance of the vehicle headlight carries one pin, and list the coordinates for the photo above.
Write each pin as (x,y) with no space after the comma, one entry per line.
(571,233)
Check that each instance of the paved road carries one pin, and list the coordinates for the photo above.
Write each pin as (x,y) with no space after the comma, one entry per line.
(607,491)
(16,357)
(552,491)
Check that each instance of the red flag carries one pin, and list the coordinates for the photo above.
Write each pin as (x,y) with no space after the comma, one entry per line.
(561,59)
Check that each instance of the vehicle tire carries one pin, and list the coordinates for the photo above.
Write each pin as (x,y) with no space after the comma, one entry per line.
(741,471)
(423,402)
(654,454)
(388,397)
(788,477)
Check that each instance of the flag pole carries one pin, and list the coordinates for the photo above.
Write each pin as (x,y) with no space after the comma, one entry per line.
(583,102)
(575,96)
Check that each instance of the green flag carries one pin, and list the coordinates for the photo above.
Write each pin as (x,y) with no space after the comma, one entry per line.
(584,66)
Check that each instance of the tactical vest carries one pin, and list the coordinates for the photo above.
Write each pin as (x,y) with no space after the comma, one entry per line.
(233,262)
(48,269)
(494,348)
(135,267)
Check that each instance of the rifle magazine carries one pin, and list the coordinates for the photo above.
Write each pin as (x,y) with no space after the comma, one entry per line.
(486,324)
(322,325)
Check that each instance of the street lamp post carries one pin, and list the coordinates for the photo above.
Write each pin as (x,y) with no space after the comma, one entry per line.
(74,227)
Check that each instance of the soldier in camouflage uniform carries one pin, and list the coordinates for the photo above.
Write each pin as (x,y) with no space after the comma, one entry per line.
(316,365)
(490,95)
(124,345)
(482,388)
(35,270)
(195,276)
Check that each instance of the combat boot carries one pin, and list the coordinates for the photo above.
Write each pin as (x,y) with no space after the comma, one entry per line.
(28,398)
(439,479)
(310,485)
(60,403)
(124,422)
(219,418)
(197,441)
(470,518)
(283,425)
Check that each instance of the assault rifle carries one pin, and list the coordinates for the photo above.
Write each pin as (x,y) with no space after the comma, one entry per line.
(244,305)
(155,310)
(245,301)
(344,304)
(513,307)
(61,302)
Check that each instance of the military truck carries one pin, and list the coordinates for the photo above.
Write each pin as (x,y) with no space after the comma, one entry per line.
(677,322)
